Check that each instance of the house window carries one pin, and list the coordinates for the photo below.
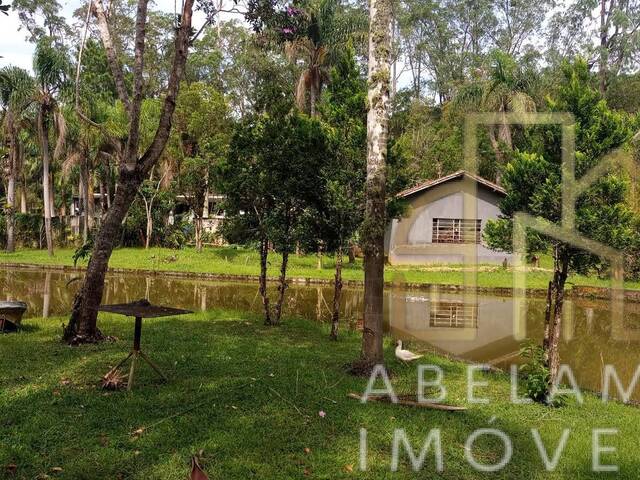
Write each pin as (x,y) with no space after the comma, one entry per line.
(456,230)
(453,315)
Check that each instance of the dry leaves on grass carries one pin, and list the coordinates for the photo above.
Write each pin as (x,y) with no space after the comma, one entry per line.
(197,473)
(114,381)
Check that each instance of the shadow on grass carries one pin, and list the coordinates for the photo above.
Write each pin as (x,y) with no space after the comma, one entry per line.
(250,396)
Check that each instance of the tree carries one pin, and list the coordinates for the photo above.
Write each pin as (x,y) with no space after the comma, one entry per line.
(606,32)
(134,167)
(271,180)
(507,88)
(373,228)
(430,139)
(50,65)
(16,91)
(202,130)
(324,33)
(41,18)
(342,200)
(443,40)
(533,183)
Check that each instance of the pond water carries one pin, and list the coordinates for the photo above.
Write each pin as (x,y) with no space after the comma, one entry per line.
(478,328)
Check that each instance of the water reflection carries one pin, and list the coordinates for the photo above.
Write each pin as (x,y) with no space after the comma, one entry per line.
(473,327)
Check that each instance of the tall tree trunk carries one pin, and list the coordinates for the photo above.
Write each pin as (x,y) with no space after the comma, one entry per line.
(149,229)
(375,215)
(198,233)
(552,352)
(337,294)
(43,133)
(547,317)
(91,207)
(11,187)
(112,54)
(108,192)
(264,253)
(282,287)
(23,193)
(103,198)
(82,325)
(604,53)
(84,195)
(312,100)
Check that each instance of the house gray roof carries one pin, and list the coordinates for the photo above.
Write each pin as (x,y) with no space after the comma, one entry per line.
(447,178)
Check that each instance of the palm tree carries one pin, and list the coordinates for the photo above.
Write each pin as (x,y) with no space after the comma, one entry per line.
(50,65)
(16,88)
(80,142)
(327,33)
(507,88)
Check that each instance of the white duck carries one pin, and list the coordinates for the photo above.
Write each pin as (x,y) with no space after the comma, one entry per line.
(405,355)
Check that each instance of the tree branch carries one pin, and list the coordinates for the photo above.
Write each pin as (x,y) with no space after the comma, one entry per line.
(179,60)
(112,56)
(131,152)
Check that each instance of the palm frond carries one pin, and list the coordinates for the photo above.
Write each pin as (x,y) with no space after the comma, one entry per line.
(521,103)
(50,64)
(16,87)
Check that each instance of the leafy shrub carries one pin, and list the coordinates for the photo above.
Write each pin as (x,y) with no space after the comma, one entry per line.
(29,227)
(536,373)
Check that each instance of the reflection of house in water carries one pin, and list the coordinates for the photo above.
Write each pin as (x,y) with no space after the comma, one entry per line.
(469,326)
(481,328)
(453,315)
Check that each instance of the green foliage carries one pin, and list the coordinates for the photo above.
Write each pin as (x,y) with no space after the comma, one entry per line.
(16,87)
(343,110)
(536,374)
(50,64)
(533,180)
(83,252)
(429,139)
(28,229)
(134,225)
(271,177)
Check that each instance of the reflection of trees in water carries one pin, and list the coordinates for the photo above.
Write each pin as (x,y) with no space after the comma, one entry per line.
(591,344)
(592,341)
(46,295)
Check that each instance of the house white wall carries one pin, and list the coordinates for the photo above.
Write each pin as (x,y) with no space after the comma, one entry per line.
(409,239)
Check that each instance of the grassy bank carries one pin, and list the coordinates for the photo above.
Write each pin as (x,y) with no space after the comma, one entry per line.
(240,261)
(249,397)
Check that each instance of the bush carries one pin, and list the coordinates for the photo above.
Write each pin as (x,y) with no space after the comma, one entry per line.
(536,375)
(29,227)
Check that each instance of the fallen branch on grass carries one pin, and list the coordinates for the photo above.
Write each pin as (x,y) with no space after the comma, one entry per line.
(409,401)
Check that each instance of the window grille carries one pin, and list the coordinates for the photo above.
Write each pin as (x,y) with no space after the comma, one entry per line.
(453,315)
(456,230)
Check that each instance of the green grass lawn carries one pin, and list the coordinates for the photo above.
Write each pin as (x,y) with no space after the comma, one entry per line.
(242,261)
(249,396)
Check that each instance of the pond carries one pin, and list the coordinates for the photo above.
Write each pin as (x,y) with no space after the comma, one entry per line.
(477,328)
